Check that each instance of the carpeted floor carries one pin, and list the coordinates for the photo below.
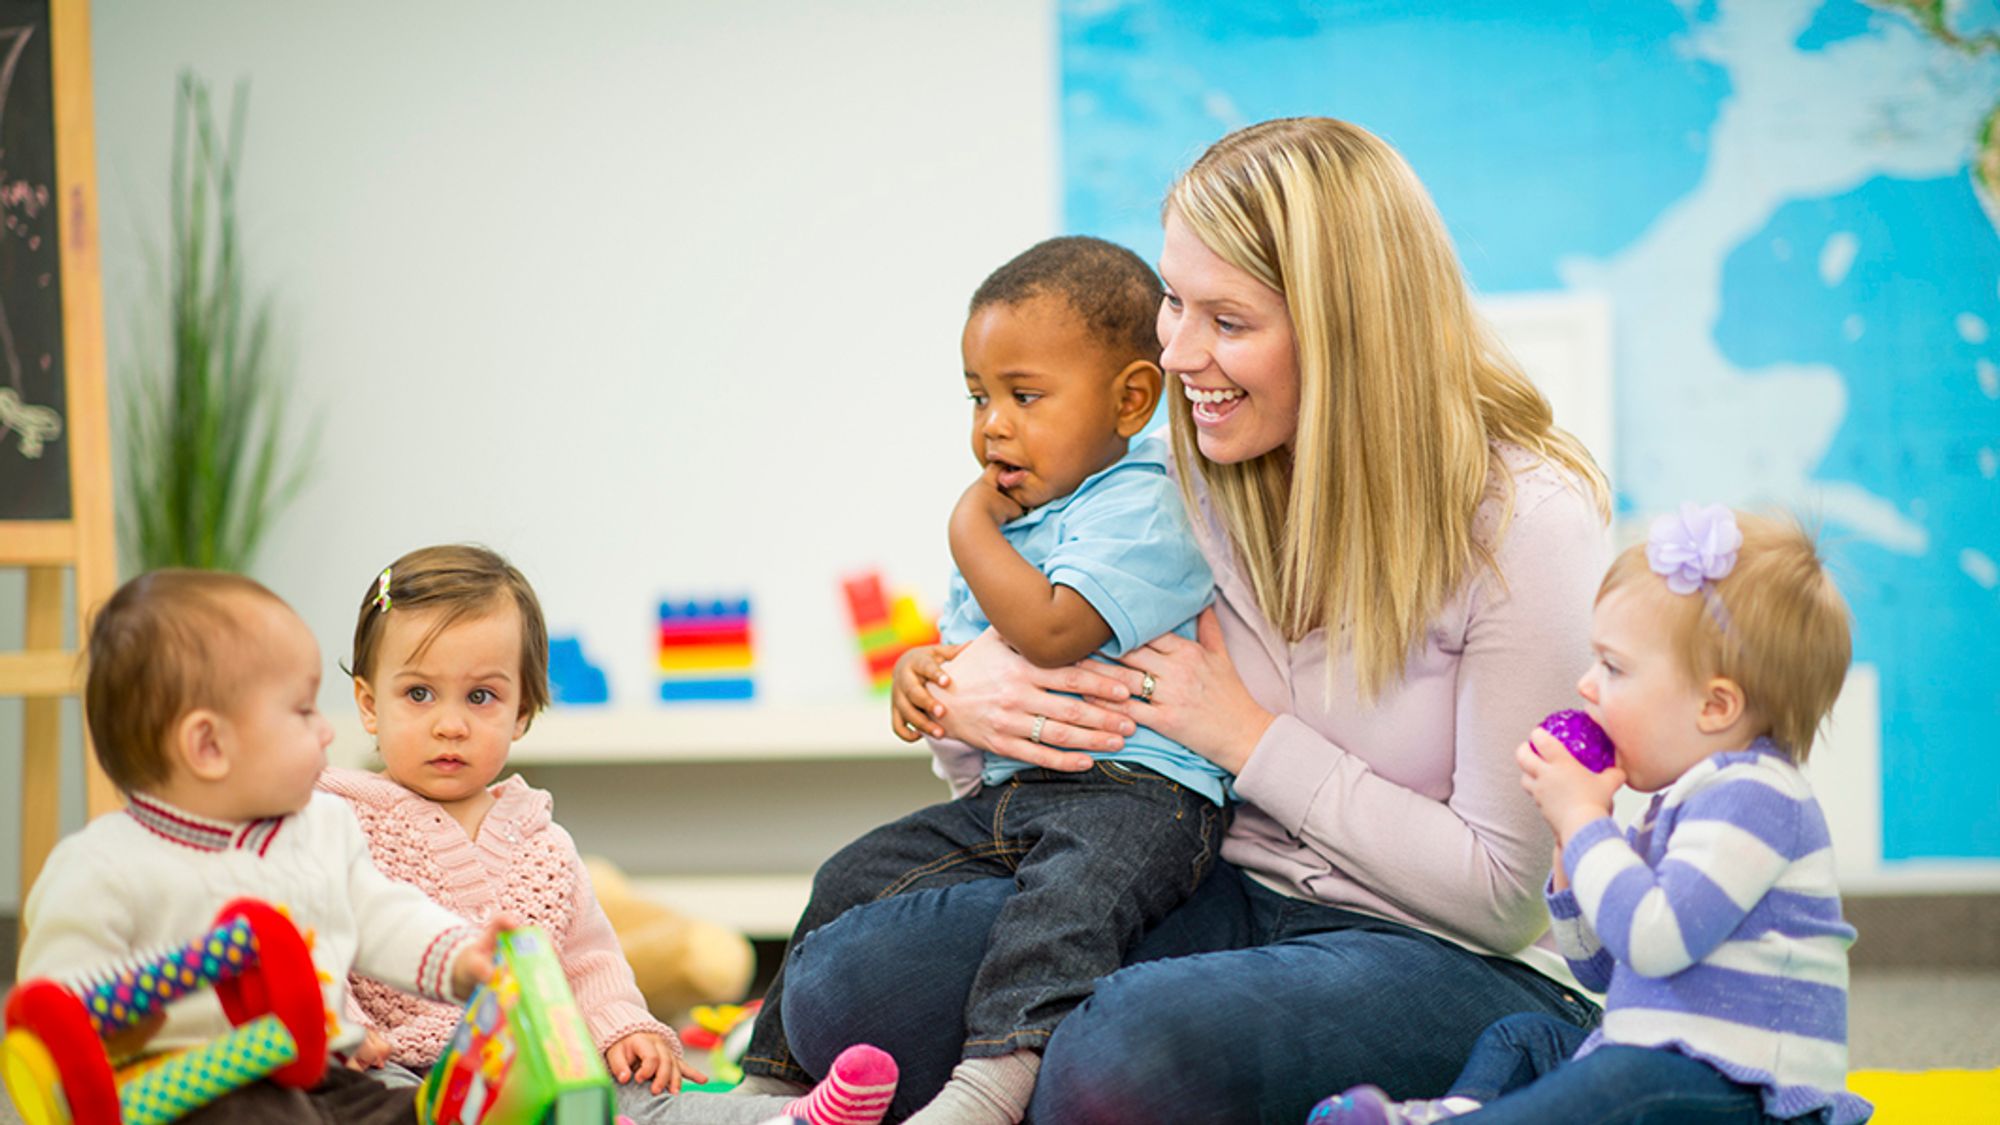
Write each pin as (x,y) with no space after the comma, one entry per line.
(1899,1019)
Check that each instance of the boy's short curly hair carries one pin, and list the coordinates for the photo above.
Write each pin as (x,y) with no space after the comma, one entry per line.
(1113,290)
(166,643)
(463,580)
(1787,640)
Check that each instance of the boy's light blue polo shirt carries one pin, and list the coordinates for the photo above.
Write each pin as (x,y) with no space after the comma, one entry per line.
(1121,540)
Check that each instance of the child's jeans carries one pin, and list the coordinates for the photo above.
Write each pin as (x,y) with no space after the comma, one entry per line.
(1099,857)
(1520,1069)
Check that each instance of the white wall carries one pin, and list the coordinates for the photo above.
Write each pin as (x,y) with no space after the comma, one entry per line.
(656,298)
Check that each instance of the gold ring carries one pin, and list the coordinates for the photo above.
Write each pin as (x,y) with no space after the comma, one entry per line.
(1035,735)
(1146,687)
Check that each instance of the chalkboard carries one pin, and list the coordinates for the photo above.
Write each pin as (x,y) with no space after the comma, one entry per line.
(34,461)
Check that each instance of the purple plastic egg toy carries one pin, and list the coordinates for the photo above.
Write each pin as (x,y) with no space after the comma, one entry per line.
(1585,739)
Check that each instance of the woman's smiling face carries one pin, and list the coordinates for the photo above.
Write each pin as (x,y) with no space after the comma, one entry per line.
(1228,338)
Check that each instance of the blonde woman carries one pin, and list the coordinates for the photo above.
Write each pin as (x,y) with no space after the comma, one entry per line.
(1405,549)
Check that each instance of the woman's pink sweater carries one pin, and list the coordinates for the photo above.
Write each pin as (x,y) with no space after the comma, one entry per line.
(524,863)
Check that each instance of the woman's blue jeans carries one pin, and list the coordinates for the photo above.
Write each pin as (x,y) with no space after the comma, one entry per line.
(1521,1069)
(1243,1005)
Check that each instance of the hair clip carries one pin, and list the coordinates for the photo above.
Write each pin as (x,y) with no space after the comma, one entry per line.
(1695,549)
(382,599)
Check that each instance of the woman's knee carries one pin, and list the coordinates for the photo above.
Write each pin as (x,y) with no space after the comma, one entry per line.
(878,970)
(1133,1051)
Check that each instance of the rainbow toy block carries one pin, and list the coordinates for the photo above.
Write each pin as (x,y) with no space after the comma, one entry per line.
(884,629)
(522,1054)
(705,652)
(59,1071)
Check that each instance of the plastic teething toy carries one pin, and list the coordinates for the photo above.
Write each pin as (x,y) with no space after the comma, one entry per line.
(261,968)
(1586,741)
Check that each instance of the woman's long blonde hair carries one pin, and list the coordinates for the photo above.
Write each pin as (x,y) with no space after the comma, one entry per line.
(1366,522)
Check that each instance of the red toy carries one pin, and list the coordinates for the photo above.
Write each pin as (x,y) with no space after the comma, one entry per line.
(54,1056)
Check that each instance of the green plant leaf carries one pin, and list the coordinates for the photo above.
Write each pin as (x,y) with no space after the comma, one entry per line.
(210,462)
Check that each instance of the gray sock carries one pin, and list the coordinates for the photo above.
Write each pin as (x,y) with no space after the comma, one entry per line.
(984,1092)
(769,1085)
(696,1107)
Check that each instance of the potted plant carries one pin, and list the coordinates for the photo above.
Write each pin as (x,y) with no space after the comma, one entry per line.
(208,462)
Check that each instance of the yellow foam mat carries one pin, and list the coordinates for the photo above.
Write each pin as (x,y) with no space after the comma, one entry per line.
(1929,1097)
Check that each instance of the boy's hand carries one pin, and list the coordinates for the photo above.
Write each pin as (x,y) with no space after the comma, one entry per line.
(985,500)
(647,1055)
(474,964)
(913,712)
(373,1051)
(1569,795)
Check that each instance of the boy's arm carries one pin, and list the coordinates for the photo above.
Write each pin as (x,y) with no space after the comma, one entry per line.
(78,917)
(1732,841)
(402,938)
(1052,625)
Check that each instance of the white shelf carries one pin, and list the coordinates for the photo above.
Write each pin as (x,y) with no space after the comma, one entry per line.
(757,906)
(746,735)
(726,733)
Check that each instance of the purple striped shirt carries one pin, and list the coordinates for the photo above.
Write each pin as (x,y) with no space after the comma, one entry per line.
(1714,929)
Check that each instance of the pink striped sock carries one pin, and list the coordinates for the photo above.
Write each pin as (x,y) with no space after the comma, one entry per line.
(856,1091)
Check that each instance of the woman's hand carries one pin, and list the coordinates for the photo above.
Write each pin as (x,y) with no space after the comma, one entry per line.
(991,697)
(1569,795)
(1198,700)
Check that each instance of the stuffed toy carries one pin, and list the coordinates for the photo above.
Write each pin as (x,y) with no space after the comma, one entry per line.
(679,961)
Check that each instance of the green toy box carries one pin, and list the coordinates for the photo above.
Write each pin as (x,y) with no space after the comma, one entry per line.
(521,1054)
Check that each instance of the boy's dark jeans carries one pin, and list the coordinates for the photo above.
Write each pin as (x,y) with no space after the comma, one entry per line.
(1099,857)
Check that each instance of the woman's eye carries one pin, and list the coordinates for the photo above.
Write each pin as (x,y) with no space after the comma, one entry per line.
(1228,327)
(419,695)
(1172,302)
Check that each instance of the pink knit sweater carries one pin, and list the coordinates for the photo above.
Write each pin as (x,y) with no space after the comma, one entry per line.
(524,863)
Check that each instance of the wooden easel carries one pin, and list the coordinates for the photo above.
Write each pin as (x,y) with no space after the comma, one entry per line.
(44,671)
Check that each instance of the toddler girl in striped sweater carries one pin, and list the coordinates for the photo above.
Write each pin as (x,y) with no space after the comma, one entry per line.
(1713,927)
(450,666)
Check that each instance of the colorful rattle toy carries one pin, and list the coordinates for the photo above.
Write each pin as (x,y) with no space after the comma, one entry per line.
(54,1057)
(1586,740)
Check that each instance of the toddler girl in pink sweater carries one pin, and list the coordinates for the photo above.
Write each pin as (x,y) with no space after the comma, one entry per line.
(450,666)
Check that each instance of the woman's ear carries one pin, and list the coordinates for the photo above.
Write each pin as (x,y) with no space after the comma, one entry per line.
(1138,387)
(199,744)
(1722,705)
(364,702)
